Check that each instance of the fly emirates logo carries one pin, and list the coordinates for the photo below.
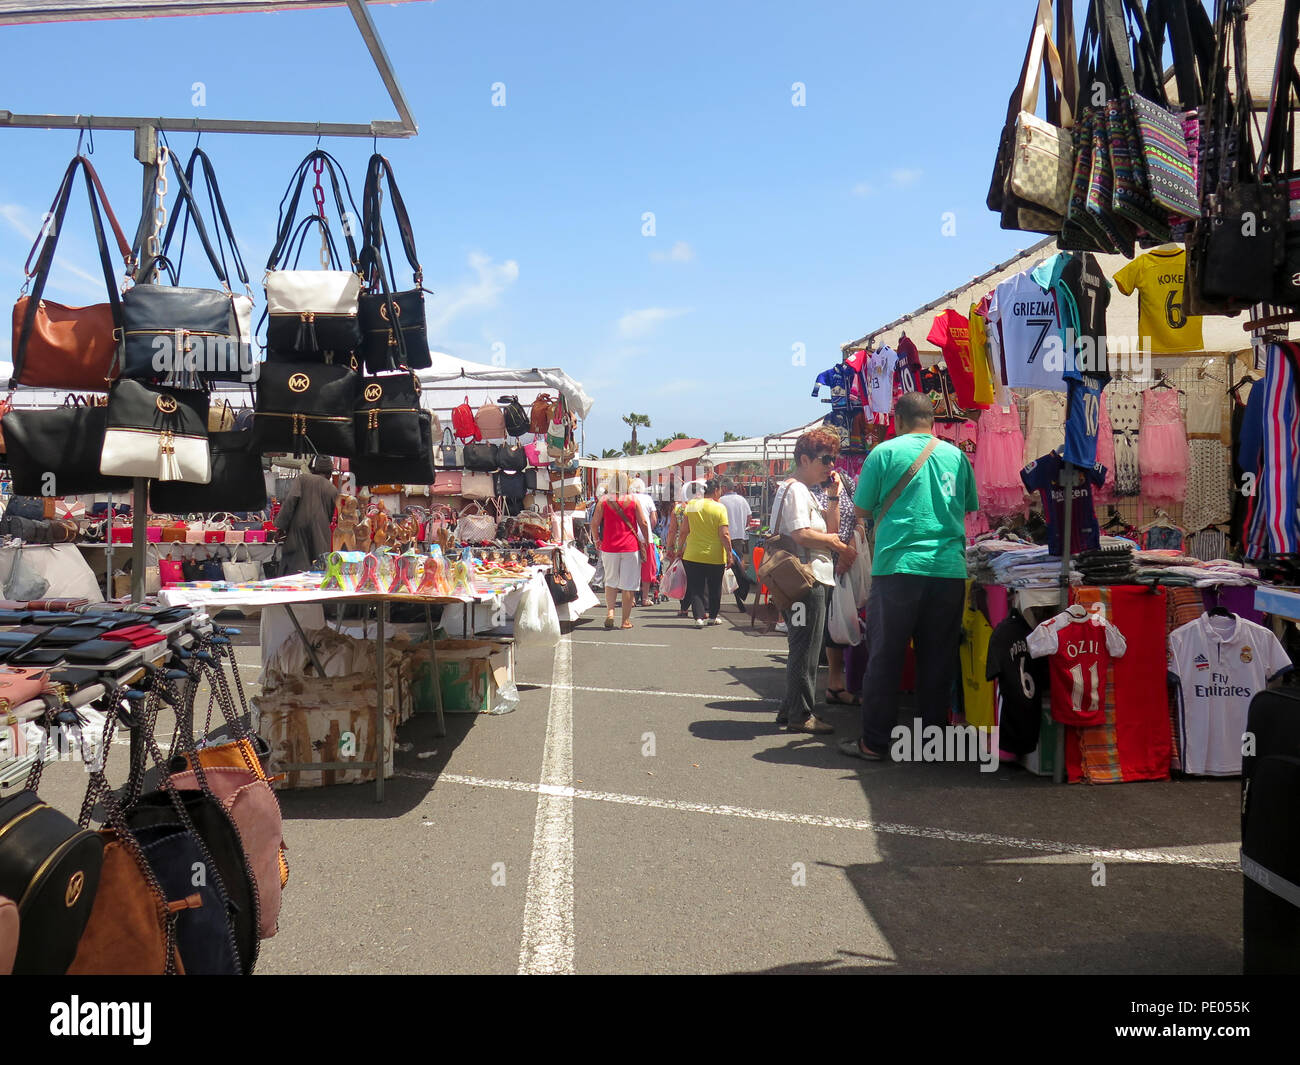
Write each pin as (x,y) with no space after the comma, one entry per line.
(1221,687)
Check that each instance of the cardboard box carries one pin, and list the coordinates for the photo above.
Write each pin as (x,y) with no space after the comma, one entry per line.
(475,676)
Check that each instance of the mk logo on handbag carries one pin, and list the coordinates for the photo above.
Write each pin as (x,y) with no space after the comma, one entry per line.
(167,404)
(373,393)
(75,885)
(299,382)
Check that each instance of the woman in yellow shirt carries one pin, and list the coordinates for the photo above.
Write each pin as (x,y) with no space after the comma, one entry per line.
(706,544)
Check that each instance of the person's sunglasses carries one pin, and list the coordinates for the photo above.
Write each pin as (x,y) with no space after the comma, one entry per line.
(826,460)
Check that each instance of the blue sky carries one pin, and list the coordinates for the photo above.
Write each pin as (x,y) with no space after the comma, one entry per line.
(775,225)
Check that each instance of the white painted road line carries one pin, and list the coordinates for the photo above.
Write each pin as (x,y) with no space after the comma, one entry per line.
(617,643)
(547,945)
(1160,856)
(669,695)
(757,650)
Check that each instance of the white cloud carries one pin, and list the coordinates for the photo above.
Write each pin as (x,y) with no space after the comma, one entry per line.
(862,189)
(681,252)
(903,177)
(469,297)
(642,322)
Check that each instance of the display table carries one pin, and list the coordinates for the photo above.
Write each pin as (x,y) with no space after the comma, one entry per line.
(214,599)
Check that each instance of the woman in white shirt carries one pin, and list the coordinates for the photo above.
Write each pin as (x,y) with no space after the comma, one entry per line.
(795,514)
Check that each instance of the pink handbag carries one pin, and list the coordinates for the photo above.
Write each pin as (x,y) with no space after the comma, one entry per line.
(256,813)
(534,454)
(235,536)
(254,536)
(153,534)
(446,483)
(170,572)
(19,685)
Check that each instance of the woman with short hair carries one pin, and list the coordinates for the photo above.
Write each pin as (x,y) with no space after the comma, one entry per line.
(795,514)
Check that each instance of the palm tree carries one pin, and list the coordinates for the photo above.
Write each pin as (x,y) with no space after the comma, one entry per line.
(609,453)
(635,420)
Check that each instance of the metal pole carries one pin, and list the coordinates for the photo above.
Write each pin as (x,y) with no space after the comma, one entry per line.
(1067,520)
(379,706)
(146,152)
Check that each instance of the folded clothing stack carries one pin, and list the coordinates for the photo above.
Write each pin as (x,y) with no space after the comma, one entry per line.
(1112,564)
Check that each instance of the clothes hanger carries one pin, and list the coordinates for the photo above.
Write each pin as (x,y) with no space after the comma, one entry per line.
(1162,521)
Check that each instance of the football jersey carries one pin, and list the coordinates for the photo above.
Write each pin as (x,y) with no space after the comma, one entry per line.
(952,335)
(1022,680)
(1080,650)
(1082,418)
(909,365)
(879,373)
(1220,663)
(1043,476)
(1032,354)
(839,379)
(979,352)
(1163,326)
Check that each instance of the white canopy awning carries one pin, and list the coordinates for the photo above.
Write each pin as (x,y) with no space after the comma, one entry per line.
(447,372)
(776,447)
(656,460)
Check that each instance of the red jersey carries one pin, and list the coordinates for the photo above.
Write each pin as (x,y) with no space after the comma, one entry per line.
(951,334)
(1080,650)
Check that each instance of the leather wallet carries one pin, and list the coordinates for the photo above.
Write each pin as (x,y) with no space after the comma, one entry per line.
(97,651)
(38,656)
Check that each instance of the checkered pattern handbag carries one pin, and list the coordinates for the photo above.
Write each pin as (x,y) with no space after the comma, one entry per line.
(1043,166)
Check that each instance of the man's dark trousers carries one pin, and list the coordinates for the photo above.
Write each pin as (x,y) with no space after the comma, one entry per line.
(927,612)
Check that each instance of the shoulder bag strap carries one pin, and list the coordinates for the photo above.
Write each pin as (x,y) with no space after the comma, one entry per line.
(906,479)
(1278,148)
(187,207)
(379,170)
(293,195)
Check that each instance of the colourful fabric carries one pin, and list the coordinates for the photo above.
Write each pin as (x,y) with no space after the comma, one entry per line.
(951,334)
(1273,524)
(978,700)
(1044,477)
(985,389)
(1081,652)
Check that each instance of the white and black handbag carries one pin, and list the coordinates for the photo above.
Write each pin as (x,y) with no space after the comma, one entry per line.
(313,314)
(156,432)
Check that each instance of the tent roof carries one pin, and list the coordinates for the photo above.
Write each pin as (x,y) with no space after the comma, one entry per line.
(447,374)
(770,448)
(683,444)
(20,11)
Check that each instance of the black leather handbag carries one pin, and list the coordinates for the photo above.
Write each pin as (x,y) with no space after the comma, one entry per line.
(560,582)
(58,451)
(393,323)
(419,469)
(306,408)
(50,866)
(237,483)
(512,458)
(481,457)
(313,314)
(241,348)
(518,420)
(388,418)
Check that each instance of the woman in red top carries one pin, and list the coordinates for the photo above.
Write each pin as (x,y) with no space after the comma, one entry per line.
(614,527)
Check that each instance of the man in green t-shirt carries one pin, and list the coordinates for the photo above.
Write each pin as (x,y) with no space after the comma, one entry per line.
(918,572)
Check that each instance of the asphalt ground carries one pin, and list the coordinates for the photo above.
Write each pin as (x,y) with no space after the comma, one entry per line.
(640,812)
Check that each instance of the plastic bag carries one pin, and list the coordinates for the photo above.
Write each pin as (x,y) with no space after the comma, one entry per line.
(860,571)
(536,619)
(843,613)
(729,582)
(673,584)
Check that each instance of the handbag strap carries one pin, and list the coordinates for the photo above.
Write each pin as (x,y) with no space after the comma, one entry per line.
(378,171)
(47,240)
(906,479)
(318,162)
(623,514)
(1277,150)
(187,208)
(1043,61)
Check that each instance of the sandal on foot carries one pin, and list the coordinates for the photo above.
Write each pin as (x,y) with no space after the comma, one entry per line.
(609,622)
(627,625)
(813,725)
(836,697)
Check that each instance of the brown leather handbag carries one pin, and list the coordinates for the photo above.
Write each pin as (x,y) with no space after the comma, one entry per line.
(8,935)
(56,346)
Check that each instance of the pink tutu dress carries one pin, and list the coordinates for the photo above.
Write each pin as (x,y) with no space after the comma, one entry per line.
(1105,453)
(1162,449)
(998,461)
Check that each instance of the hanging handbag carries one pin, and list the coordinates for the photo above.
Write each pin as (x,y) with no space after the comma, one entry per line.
(237,572)
(475,525)
(539,415)
(240,353)
(560,582)
(475,485)
(517,420)
(170,571)
(59,450)
(55,346)
(447,483)
(157,432)
(1035,162)
(511,458)
(448,455)
(491,422)
(51,866)
(1277,162)
(22,583)
(537,479)
(192,568)
(481,457)
(393,323)
(388,423)
(511,488)
(398,473)
(313,314)
(533,525)
(306,408)
(237,483)
(463,423)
